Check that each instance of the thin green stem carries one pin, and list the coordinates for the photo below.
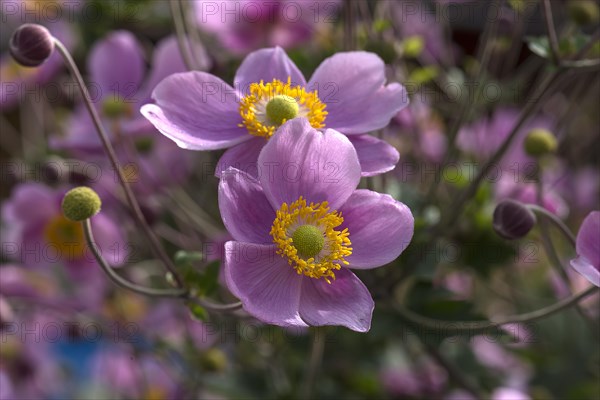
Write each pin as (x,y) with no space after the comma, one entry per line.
(314,363)
(119,280)
(551,30)
(454,373)
(146,291)
(155,244)
(180,33)
(469,326)
(530,107)
(555,220)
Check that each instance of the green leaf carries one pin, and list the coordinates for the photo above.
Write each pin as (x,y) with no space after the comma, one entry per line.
(209,280)
(539,45)
(198,312)
(183,257)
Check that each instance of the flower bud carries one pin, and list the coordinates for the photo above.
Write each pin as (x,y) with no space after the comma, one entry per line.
(513,220)
(540,142)
(81,203)
(31,45)
(583,12)
(214,360)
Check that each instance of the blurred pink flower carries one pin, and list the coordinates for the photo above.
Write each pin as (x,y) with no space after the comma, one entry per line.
(245,25)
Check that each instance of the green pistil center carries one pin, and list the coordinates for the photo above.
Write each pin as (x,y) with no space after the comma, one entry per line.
(115,107)
(282,108)
(308,240)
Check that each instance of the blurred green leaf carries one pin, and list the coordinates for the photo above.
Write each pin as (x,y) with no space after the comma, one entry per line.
(198,312)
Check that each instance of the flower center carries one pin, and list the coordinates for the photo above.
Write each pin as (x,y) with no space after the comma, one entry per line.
(308,240)
(282,108)
(115,107)
(307,236)
(270,105)
(66,236)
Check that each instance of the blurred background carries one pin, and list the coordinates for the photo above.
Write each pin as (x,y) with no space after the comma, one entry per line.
(471,68)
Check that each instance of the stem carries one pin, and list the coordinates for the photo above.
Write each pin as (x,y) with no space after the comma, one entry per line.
(461,326)
(116,278)
(180,33)
(191,30)
(467,106)
(454,373)
(348,10)
(583,51)
(552,37)
(529,108)
(146,291)
(316,357)
(555,220)
(130,197)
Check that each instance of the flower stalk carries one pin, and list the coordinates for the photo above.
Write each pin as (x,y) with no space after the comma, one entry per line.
(130,197)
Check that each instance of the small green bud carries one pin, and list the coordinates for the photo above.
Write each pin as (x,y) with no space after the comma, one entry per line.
(583,12)
(114,107)
(540,142)
(81,203)
(413,46)
(214,360)
(282,108)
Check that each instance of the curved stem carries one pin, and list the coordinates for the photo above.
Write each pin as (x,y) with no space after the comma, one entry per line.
(116,278)
(211,306)
(461,326)
(555,220)
(152,292)
(131,200)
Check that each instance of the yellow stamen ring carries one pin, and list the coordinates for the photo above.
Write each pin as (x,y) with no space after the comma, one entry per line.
(306,236)
(270,105)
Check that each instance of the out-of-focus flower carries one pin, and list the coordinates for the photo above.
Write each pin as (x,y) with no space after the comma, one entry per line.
(508,393)
(420,122)
(421,378)
(296,238)
(246,25)
(347,93)
(527,192)
(27,366)
(17,80)
(515,372)
(587,262)
(417,19)
(118,91)
(121,373)
(484,136)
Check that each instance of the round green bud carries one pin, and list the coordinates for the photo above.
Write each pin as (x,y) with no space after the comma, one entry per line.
(114,107)
(413,46)
(308,240)
(214,360)
(583,12)
(282,108)
(81,203)
(540,142)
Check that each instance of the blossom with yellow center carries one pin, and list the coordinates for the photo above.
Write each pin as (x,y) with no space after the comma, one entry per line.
(347,93)
(270,105)
(306,236)
(66,236)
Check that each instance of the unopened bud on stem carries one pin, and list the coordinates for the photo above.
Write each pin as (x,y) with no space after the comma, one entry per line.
(31,45)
